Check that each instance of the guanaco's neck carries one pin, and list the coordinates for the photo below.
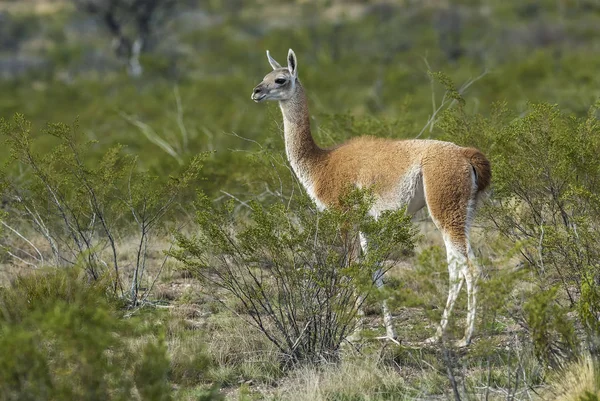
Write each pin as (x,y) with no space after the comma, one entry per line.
(301,149)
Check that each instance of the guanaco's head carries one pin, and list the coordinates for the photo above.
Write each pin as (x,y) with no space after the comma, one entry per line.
(280,83)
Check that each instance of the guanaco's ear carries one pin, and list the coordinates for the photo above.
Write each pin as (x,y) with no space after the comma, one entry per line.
(272,61)
(292,63)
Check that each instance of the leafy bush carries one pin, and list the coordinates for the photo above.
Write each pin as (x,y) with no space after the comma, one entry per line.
(80,208)
(545,200)
(62,338)
(293,271)
(552,334)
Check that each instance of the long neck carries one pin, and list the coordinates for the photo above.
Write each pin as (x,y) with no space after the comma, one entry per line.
(301,149)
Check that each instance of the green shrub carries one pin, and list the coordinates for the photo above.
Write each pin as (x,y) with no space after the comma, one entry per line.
(294,272)
(151,374)
(546,170)
(552,333)
(62,338)
(81,208)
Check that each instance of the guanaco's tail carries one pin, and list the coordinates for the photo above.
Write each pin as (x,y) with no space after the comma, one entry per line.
(481,166)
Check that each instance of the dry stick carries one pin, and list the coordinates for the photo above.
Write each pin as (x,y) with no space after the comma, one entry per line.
(237,199)
(153,137)
(22,260)
(134,281)
(41,259)
(37,219)
(144,257)
(16,248)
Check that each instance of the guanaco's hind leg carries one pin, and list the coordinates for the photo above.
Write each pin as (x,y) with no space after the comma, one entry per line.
(472,273)
(450,194)
(456,263)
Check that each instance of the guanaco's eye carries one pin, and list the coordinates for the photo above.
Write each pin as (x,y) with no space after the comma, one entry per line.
(280,81)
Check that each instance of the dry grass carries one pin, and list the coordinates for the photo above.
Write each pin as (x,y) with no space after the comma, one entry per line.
(239,352)
(578,381)
(358,378)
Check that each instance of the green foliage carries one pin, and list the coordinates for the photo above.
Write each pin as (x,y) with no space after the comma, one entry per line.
(38,291)
(81,208)
(295,272)
(546,173)
(151,375)
(552,333)
(62,338)
(423,287)
(365,73)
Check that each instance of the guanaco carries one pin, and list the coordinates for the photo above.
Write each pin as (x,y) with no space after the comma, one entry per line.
(447,178)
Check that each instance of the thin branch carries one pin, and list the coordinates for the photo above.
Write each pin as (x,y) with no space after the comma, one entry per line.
(41,259)
(22,260)
(431,120)
(152,136)
(237,199)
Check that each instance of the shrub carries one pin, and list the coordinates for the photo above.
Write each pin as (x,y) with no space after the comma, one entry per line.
(80,206)
(293,271)
(545,201)
(62,338)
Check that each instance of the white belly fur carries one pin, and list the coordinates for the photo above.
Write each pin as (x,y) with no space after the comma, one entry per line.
(408,192)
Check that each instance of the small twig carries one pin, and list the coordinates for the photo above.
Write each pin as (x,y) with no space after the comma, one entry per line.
(238,199)
(22,260)
(435,111)
(152,136)
(388,338)
(41,259)
(245,139)
(300,336)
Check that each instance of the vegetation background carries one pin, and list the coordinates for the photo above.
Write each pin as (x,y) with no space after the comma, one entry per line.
(141,187)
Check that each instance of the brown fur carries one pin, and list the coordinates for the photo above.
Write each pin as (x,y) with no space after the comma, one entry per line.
(482,167)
